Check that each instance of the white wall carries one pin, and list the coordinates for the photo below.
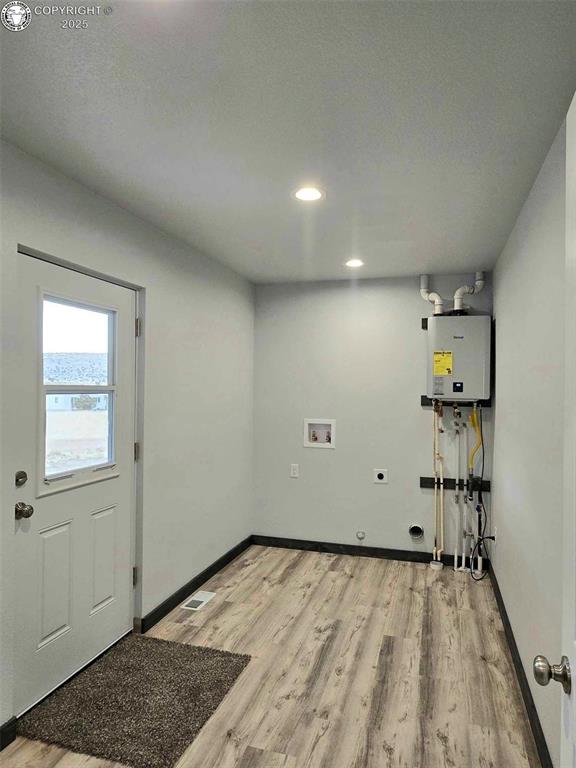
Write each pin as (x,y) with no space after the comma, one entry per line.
(198,376)
(528,448)
(354,352)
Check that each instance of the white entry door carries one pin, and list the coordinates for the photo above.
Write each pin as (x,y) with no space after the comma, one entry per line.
(75,442)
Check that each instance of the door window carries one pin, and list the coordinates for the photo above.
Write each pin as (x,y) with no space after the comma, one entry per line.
(78,374)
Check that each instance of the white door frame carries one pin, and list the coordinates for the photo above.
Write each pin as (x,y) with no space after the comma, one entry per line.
(568,733)
(136,511)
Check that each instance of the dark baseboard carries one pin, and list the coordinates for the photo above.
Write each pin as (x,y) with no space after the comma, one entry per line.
(7,732)
(148,621)
(342,549)
(358,550)
(531,711)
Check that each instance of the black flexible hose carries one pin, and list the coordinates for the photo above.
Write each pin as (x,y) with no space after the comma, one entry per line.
(481,509)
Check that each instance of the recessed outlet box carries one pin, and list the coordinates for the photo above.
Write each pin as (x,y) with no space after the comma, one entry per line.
(380,476)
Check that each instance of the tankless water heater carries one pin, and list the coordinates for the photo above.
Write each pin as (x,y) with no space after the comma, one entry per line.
(459,357)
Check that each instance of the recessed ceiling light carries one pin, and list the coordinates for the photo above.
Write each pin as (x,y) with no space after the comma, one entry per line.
(308,194)
(353,263)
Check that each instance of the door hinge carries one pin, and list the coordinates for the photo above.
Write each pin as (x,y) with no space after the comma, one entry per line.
(138,327)
(136,451)
(134,576)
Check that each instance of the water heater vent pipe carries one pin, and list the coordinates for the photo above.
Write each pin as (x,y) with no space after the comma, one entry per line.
(464,289)
(428,295)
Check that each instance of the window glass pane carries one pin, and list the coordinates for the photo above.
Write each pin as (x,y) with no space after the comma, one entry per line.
(75,344)
(77,431)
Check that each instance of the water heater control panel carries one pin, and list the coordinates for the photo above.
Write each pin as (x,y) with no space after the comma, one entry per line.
(459,357)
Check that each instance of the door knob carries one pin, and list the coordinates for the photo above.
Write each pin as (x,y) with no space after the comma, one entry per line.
(544,672)
(23,510)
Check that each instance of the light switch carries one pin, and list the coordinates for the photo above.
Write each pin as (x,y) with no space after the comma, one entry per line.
(294,470)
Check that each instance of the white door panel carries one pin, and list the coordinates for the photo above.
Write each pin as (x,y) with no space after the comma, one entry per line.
(104,543)
(74,555)
(55,581)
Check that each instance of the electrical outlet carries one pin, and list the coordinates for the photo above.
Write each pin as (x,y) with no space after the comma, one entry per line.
(294,470)
(380,476)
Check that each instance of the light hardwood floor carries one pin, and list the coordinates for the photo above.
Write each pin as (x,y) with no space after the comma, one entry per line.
(356,663)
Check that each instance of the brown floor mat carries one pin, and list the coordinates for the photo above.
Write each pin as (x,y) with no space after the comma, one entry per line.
(141,704)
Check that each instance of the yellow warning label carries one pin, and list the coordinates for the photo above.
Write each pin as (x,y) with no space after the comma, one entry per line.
(443,363)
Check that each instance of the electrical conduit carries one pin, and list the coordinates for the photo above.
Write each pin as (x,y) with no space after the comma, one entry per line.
(475,424)
(438,464)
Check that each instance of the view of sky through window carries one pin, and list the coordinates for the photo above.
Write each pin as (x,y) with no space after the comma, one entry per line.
(75,344)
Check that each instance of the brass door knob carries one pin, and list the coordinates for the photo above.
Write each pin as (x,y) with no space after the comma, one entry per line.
(544,672)
(23,510)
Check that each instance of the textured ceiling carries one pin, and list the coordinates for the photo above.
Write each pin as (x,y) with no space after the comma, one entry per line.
(426,123)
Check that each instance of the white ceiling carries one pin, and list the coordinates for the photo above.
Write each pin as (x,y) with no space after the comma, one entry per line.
(426,123)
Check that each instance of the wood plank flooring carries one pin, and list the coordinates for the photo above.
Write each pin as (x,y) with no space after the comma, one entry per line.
(356,663)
